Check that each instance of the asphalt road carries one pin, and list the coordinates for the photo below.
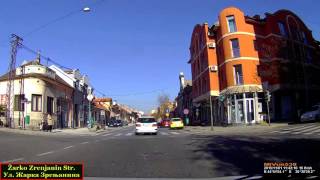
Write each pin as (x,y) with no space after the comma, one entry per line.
(170,154)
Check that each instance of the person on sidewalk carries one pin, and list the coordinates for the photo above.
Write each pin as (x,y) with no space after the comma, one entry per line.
(50,122)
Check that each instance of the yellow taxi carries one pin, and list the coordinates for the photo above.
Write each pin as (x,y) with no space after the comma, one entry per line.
(176,123)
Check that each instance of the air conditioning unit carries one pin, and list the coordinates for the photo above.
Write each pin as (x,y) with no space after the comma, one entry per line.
(213,68)
(212,45)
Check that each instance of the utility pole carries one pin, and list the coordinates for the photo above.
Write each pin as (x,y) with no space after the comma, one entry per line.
(15,43)
(268,97)
(211,115)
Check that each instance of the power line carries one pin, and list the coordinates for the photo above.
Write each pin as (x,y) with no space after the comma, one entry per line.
(140,93)
(43,57)
(58,19)
(99,92)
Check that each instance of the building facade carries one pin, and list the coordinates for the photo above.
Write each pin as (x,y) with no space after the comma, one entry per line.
(184,100)
(81,88)
(252,56)
(205,80)
(38,92)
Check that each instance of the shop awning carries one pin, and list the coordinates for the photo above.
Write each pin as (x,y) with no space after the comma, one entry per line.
(241,89)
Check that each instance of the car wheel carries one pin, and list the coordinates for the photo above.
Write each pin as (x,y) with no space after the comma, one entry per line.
(137,133)
(155,133)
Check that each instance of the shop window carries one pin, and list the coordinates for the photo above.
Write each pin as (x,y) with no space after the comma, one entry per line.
(249,95)
(239,96)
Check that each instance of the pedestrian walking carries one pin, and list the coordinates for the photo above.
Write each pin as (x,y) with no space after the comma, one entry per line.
(50,122)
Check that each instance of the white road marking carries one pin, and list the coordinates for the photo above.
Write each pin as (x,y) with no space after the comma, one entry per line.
(129,134)
(306,130)
(284,132)
(46,153)
(303,128)
(68,147)
(175,133)
(97,140)
(84,142)
(106,135)
(164,133)
(13,160)
(118,134)
(312,132)
(293,128)
(274,132)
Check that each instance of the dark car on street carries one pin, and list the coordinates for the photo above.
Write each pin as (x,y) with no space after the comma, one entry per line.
(119,123)
(113,123)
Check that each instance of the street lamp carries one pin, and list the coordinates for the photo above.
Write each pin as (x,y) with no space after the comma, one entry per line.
(86,9)
(89,97)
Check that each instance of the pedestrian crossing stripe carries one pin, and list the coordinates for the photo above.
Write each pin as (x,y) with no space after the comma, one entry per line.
(306,130)
(293,128)
(296,129)
(316,131)
(129,134)
(174,133)
(118,134)
(106,135)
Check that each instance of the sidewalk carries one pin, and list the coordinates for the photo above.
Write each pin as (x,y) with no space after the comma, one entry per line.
(64,132)
(234,129)
(78,131)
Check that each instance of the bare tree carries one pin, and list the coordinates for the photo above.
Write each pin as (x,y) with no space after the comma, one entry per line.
(164,104)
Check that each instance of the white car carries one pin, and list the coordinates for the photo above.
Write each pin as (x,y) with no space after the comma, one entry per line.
(312,115)
(146,124)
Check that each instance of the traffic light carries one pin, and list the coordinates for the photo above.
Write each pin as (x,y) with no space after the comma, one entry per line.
(267,96)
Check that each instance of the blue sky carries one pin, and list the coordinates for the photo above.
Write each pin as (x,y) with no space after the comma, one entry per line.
(132,50)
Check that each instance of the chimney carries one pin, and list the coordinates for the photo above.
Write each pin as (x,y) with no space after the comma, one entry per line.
(38,57)
(181,78)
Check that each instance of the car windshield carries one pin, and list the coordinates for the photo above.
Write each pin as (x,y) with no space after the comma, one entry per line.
(176,119)
(146,120)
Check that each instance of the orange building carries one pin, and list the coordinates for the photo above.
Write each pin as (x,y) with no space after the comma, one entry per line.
(243,57)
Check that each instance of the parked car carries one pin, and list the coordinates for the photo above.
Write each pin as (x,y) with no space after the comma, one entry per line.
(119,123)
(113,123)
(146,124)
(312,115)
(165,123)
(176,123)
(125,123)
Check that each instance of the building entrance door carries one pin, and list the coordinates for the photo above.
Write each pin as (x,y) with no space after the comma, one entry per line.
(239,111)
(250,110)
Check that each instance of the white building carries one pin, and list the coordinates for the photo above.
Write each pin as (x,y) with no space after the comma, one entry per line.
(38,91)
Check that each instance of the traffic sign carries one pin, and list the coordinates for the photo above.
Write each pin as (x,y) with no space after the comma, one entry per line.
(186,111)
